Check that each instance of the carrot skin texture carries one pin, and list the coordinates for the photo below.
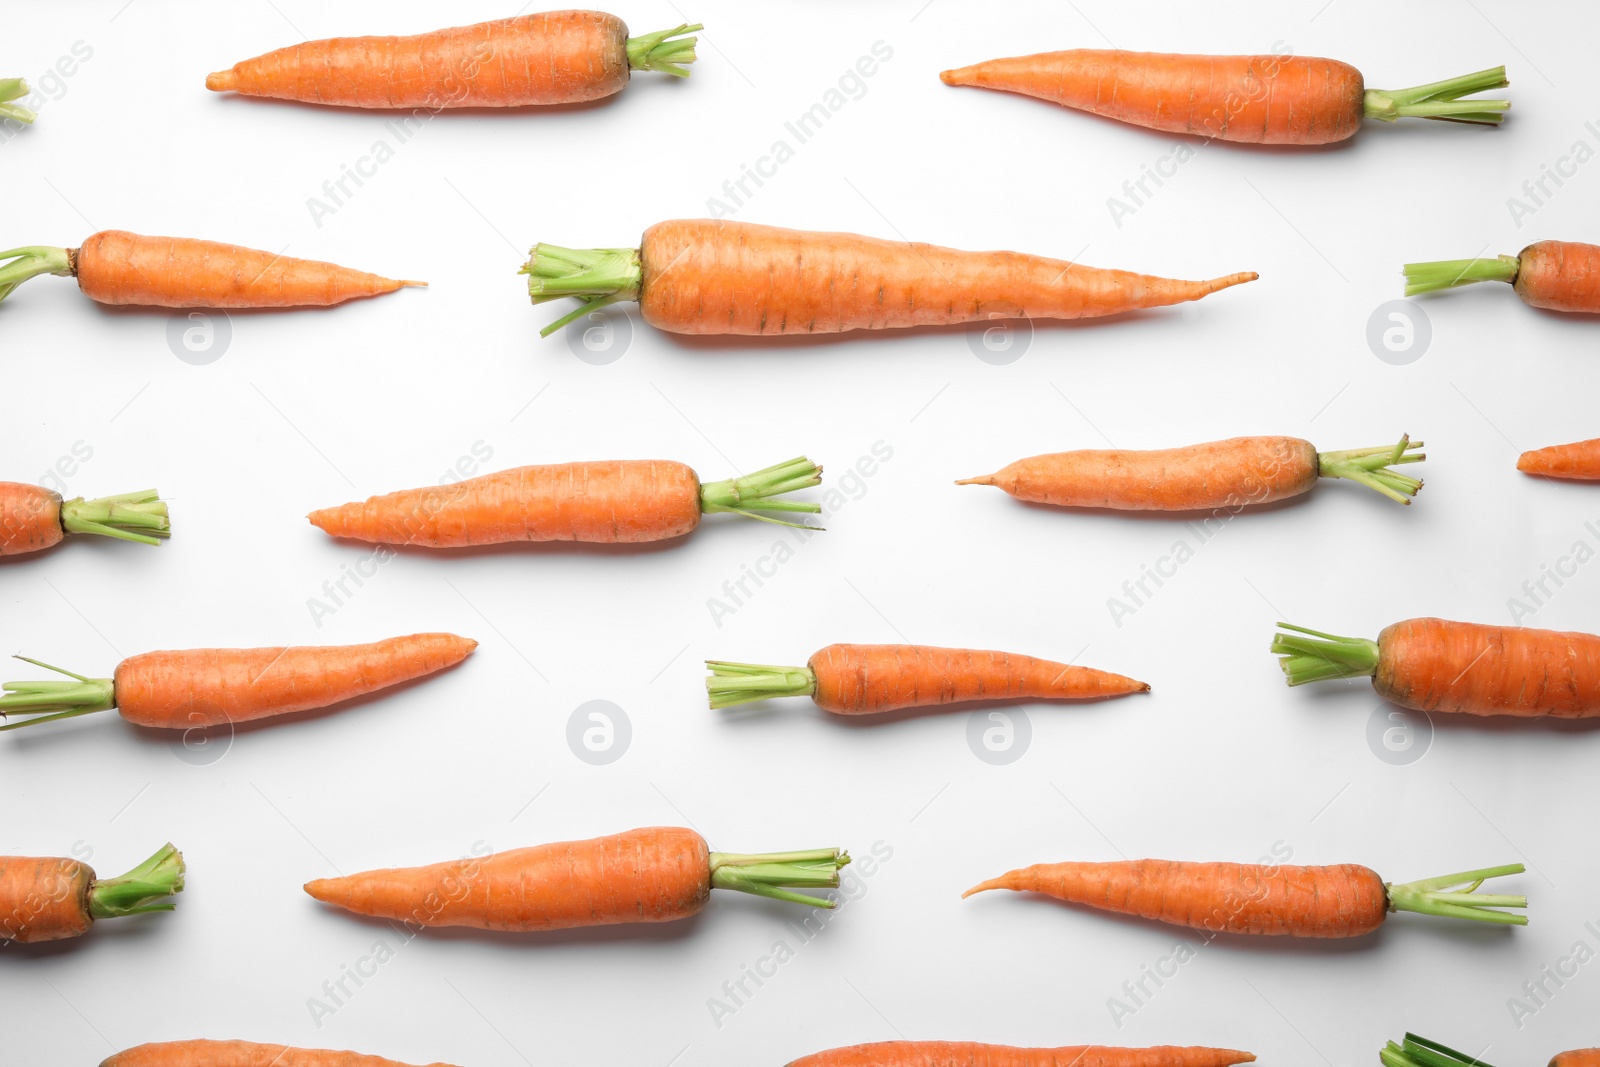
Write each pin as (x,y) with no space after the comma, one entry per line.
(208,687)
(43,899)
(655,874)
(202,1053)
(1560,276)
(30,519)
(1578,1057)
(1578,461)
(975,1054)
(1469,668)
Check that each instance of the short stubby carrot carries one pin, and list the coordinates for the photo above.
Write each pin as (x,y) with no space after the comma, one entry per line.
(609,502)
(1346,900)
(1463,667)
(33,518)
(12,90)
(870,679)
(552,57)
(655,874)
(1578,461)
(976,1054)
(1232,474)
(120,268)
(1554,275)
(203,1053)
(1416,1051)
(1253,99)
(213,686)
(48,899)
(704,276)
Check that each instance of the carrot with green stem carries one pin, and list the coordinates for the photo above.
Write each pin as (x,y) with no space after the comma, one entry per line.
(204,1053)
(1554,275)
(48,899)
(33,518)
(1578,461)
(1416,1051)
(12,90)
(976,1054)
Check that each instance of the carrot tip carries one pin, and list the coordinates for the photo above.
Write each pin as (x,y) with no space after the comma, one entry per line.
(414,284)
(222,81)
(982,887)
(982,479)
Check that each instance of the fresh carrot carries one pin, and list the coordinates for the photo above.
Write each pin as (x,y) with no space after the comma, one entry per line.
(1346,900)
(1555,275)
(1231,474)
(612,502)
(1578,461)
(213,686)
(1260,99)
(13,89)
(704,276)
(203,1053)
(974,1054)
(116,267)
(554,57)
(1417,1051)
(656,874)
(33,519)
(1434,665)
(53,898)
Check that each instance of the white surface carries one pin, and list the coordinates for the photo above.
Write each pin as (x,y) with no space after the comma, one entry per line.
(1221,761)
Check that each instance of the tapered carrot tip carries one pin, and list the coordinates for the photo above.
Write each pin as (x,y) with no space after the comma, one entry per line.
(982,479)
(320,888)
(1527,463)
(1003,882)
(223,81)
(1231,280)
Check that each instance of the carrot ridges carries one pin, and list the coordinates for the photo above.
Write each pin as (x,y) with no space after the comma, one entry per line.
(1578,461)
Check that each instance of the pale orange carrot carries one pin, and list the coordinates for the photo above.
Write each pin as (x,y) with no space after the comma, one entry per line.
(203,1053)
(1578,461)
(33,518)
(974,1054)
(1554,275)
(53,898)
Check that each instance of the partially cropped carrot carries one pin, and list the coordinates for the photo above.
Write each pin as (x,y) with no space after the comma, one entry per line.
(213,686)
(703,276)
(656,874)
(1346,900)
(47,899)
(868,679)
(202,1053)
(1435,665)
(974,1054)
(1254,99)
(606,502)
(11,90)
(1578,461)
(117,267)
(1555,275)
(33,518)
(553,57)
(1417,1051)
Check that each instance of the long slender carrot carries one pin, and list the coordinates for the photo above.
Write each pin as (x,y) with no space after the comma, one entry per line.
(1257,99)
(703,276)
(202,1053)
(1416,1051)
(655,874)
(553,57)
(1554,275)
(868,679)
(33,519)
(1236,473)
(611,502)
(117,267)
(53,898)
(1578,461)
(1434,665)
(213,686)
(974,1054)
(13,89)
(1346,900)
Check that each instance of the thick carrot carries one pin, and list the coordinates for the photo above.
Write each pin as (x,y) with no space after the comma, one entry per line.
(656,874)
(614,502)
(53,898)
(554,57)
(202,1053)
(33,518)
(1555,275)
(116,267)
(1260,99)
(1434,665)
(1578,461)
(1231,474)
(1416,1051)
(974,1054)
(701,276)
(1346,900)
(213,686)
(12,89)
(868,679)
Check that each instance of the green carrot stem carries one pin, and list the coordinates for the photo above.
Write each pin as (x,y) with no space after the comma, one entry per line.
(1313,656)
(1456,896)
(659,52)
(1442,100)
(1370,467)
(30,262)
(148,887)
(745,683)
(52,700)
(749,494)
(140,517)
(596,276)
(1420,1052)
(15,89)
(766,874)
(1452,273)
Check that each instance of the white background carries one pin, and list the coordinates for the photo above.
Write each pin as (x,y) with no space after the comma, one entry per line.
(1221,761)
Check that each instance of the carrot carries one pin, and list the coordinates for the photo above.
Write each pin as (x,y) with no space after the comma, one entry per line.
(53,898)
(1346,900)
(1434,665)
(1417,1051)
(869,679)
(213,686)
(1555,275)
(974,1054)
(657,874)
(33,519)
(202,1053)
(1229,474)
(15,89)
(1260,99)
(614,502)
(116,267)
(555,57)
(702,276)
(1578,461)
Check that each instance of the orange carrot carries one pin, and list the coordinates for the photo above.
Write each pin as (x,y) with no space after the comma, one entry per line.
(1578,461)
(554,57)
(974,1054)
(1417,1051)
(116,267)
(1555,275)
(54,898)
(213,686)
(656,874)
(617,502)
(868,679)
(33,519)
(1434,665)
(1347,900)
(202,1053)
(1261,99)
(702,276)
(1232,474)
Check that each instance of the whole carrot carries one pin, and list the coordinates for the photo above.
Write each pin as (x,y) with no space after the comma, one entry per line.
(53,898)
(213,686)
(12,89)
(1236,473)
(33,519)
(116,267)
(656,874)
(1417,1051)
(704,276)
(613,502)
(553,57)
(1434,665)
(974,1054)
(1346,900)
(869,679)
(1578,461)
(1555,275)
(201,1053)
(1253,99)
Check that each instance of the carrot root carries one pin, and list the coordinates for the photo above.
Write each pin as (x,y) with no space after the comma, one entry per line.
(1313,656)
(1417,1051)
(745,683)
(140,517)
(1454,273)
(148,887)
(749,494)
(15,89)
(1442,100)
(660,52)
(768,874)
(49,701)
(1456,896)
(597,276)
(31,261)
(1370,467)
